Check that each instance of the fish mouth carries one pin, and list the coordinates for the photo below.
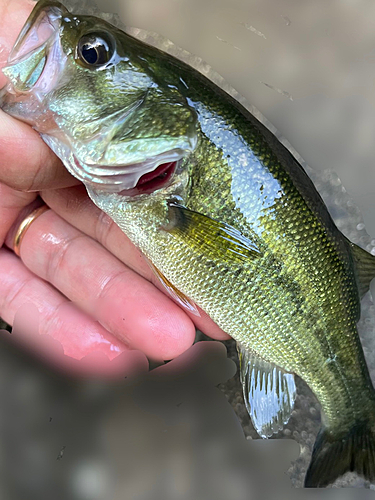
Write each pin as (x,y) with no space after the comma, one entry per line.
(34,61)
(44,21)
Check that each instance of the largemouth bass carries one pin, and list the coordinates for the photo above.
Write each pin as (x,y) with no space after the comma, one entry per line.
(226,215)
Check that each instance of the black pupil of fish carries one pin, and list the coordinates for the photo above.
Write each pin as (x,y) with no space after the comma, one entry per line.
(95,51)
(90,54)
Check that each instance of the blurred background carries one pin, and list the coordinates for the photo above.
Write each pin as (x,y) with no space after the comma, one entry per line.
(182,432)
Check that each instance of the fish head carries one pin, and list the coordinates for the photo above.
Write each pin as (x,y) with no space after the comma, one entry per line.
(97,97)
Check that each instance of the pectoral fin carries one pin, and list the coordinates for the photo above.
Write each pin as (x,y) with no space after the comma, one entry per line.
(218,240)
(269,392)
(176,295)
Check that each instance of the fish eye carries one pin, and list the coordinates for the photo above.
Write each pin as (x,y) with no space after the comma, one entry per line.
(95,49)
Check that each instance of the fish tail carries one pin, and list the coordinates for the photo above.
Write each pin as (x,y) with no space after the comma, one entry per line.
(336,453)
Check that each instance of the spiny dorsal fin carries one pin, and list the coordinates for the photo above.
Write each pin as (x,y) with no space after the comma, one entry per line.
(365,267)
(269,392)
(218,240)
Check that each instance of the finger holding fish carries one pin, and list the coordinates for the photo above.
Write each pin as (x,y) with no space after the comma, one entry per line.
(27,164)
(133,309)
(49,325)
(159,327)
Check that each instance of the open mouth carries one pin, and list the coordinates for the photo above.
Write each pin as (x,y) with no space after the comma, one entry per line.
(151,181)
(36,59)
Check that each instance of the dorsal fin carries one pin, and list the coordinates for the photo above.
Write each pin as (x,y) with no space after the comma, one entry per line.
(269,392)
(365,267)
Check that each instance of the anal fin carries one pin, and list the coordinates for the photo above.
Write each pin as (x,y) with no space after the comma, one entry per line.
(269,392)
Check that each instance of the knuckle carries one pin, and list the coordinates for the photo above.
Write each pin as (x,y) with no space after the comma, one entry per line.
(57,257)
(103,228)
(112,282)
(13,294)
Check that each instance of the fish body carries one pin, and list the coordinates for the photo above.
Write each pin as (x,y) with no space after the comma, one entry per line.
(226,215)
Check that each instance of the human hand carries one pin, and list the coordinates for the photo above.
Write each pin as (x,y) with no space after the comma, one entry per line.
(94,291)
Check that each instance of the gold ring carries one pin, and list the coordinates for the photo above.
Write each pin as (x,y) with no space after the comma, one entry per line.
(24,226)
